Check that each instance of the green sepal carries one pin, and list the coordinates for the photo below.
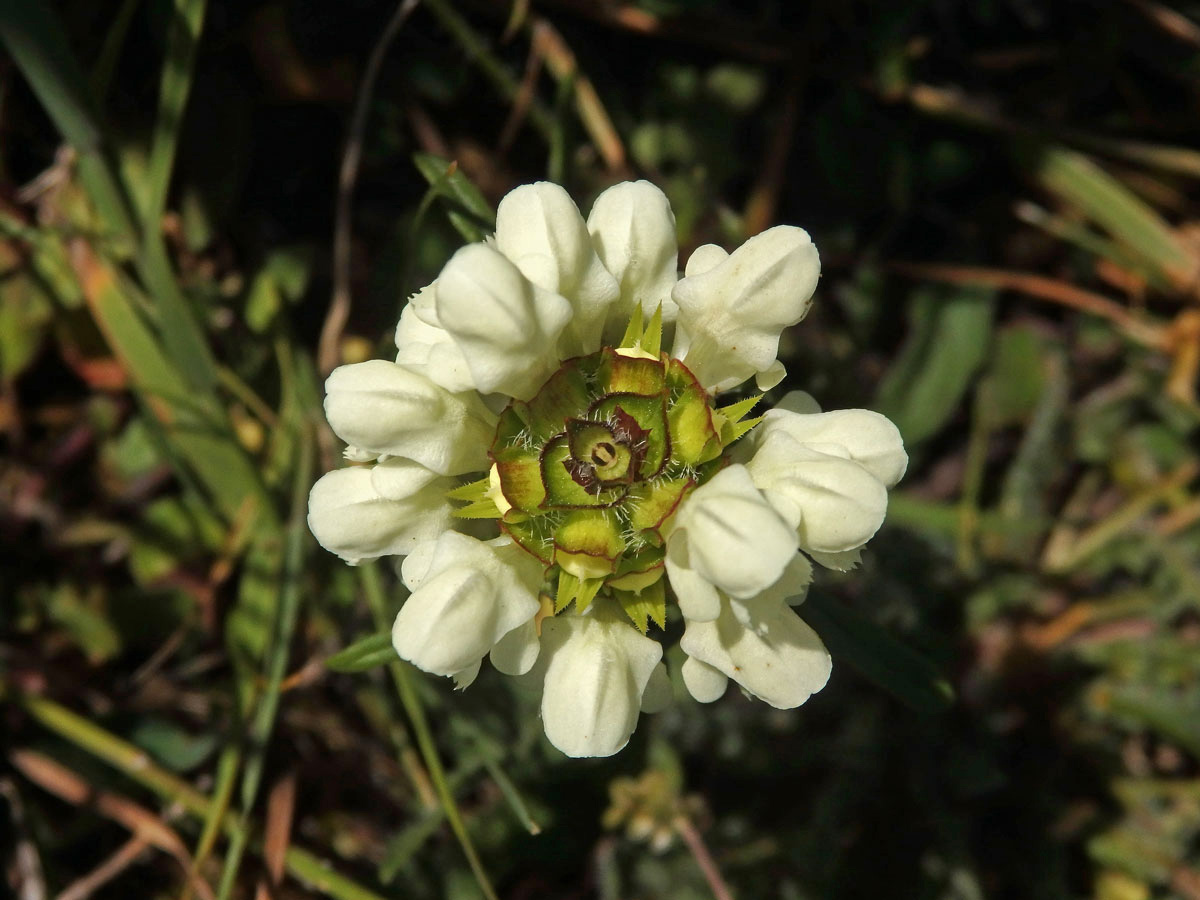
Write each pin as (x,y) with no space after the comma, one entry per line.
(735,412)
(633,331)
(561,398)
(652,504)
(652,339)
(650,604)
(472,491)
(520,474)
(734,431)
(532,536)
(589,541)
(480,509)
(582,590)
(630,374)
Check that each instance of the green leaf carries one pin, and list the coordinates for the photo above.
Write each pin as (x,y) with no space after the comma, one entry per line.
(948,341)
(469,211)
(877,656)
(365,653)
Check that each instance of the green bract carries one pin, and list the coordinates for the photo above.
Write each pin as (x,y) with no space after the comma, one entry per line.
(588,473)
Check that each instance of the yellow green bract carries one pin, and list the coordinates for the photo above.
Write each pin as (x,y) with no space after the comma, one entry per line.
(587,474)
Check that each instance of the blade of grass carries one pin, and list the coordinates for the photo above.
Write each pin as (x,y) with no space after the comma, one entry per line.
(183,36)
(1114,207)
(277,656)
(402,675)
(227,768)
(35,37)
(133,762)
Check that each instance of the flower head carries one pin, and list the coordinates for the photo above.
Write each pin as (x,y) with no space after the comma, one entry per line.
(549,453)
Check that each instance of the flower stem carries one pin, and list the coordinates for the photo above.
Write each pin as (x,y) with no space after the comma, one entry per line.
(695,843)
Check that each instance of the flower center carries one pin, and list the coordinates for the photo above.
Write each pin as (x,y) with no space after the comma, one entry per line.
(587,474)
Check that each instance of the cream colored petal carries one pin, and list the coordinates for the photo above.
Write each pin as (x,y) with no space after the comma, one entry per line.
(349,517)
(703,682)
(866,437)
(540,229)
(506,327)
(466,596)
(633,231)
(705,258)
(698,599)
(465,678)
(791,588)
(782,663)
(834,503)
(842,562)
(735,540)
(517,652)
(430,350)
(733,313)
(384,408)
(595,679)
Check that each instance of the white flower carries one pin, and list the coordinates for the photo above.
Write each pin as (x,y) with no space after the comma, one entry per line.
(350,517)
(726,538)
(601,482)
(780,660)
(732,310)
(827,474)
(466,596)
(389,410)
(596,674)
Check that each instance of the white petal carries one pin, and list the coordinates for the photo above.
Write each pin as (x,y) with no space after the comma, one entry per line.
(384,408)
(834,503)
(597,673)
(465,678)
(735,539)
(842,562)
(784,665)
(792,587)
(540,229)
(430,350)
(347,515)
(657,695)
(397,478)
(705,258)
(517,651)
(801,402)
(734,312)
(506,327)
(703,682)
(769,377)
(697,597)
(866,437)
(633,231)
(467,594)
